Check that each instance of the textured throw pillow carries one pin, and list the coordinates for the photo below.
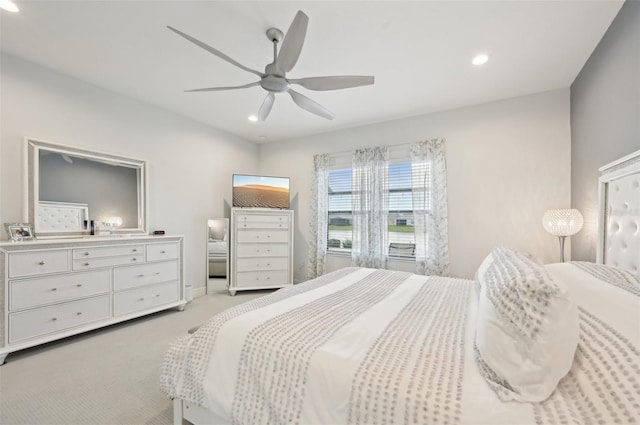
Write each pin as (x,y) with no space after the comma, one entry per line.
(527,327)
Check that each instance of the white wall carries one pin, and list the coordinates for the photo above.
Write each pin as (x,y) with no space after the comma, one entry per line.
(507,162)
(190,164)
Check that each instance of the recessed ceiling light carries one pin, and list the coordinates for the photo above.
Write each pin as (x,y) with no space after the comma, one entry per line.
(8,5)
(480,59)
(253,118)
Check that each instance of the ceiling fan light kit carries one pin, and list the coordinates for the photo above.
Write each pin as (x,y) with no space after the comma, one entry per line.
(274,80)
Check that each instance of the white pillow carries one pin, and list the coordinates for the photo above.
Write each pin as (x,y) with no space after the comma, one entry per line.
(527,327)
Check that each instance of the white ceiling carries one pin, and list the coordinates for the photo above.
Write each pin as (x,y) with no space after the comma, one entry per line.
(419,52)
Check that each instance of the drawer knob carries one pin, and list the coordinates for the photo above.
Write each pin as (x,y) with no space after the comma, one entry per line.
(86,264)
(140,275)
(141,299)
(157,295)
(157,272)
(41,263)
(79,313)
(135,250)
(86,253)
(79,285)
(134,259)
(54,319)
(268,236)
(245,225)
(54,289)
(163,252)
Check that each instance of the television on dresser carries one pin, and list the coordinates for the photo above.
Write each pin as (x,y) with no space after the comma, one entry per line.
(253,191)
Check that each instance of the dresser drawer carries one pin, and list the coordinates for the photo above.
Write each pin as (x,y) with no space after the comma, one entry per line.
(262,218)
(255,264)
(126,302)
(266,225)
(28,324)
(162,251)
(262,250)
(262,278)
(267,236)
(144,274)
(38,262)
(35,292)
(108,251)
(92,263)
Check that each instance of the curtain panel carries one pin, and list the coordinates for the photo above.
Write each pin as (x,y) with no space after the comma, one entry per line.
(429,191)
(319,216)
(370,207)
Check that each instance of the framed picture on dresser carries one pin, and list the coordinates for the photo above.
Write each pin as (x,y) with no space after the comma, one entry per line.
(19,231)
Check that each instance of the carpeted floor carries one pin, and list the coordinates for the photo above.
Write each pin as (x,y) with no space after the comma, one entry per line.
(107,376)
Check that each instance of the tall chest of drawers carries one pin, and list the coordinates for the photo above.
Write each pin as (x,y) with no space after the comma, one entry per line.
(56,288)
(261,249)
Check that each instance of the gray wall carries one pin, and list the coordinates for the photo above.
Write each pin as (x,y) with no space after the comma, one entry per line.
(605,118)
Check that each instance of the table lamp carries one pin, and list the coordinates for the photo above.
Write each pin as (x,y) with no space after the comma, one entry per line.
(562,223)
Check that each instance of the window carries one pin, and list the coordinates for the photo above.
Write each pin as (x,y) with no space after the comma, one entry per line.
(401,235)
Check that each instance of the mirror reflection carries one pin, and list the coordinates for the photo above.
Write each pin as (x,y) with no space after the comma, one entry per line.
(217,253)
(71,188)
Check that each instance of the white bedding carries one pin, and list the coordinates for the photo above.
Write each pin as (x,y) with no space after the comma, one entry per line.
(375,346)
(217,249)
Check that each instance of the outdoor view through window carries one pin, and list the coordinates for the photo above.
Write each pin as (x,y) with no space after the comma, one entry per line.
(400,215)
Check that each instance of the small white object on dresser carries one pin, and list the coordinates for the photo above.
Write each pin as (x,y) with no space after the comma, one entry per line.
(261,249)
(56,288)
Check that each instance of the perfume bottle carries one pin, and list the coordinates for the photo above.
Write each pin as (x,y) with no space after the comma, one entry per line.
(93,227)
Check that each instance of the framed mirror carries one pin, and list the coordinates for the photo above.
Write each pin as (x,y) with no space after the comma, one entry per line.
(217,254)
(69,188)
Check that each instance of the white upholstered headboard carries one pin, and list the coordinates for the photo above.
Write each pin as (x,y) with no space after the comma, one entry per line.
(619,217)
(61,216)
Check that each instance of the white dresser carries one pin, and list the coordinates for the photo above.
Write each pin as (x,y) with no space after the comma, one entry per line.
(56,288)
(261,249)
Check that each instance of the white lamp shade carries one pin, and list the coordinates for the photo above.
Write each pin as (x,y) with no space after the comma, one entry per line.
(563,222)
(114,221)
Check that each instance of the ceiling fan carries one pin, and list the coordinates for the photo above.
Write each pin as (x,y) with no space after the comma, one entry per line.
(274,79)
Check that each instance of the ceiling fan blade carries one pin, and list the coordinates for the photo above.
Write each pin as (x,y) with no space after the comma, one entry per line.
(216,52)
(224,88)
(309,105)
(266,106)
(292,43)
(333,82)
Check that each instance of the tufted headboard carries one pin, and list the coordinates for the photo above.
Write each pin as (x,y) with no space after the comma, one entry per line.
(619,216)
(61,216)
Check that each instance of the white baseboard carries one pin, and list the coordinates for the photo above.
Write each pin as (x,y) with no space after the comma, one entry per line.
(199,291)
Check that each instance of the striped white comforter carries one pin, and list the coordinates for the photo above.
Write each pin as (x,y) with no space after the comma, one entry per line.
(365,346)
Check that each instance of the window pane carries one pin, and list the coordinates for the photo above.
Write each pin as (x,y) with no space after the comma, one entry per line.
(403,187)
(401,235)
(339,234)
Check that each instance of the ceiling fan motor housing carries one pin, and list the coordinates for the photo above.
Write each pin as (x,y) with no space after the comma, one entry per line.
(274,83)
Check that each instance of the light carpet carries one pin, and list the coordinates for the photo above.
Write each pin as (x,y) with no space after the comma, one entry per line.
(107,376)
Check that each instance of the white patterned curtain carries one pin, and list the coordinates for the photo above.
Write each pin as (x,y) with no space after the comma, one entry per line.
(370,207)
(429,188)
(319,216)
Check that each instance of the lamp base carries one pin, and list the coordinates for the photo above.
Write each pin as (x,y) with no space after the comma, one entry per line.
(562,238)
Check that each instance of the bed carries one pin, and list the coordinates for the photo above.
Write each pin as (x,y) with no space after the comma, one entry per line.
(363,346)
